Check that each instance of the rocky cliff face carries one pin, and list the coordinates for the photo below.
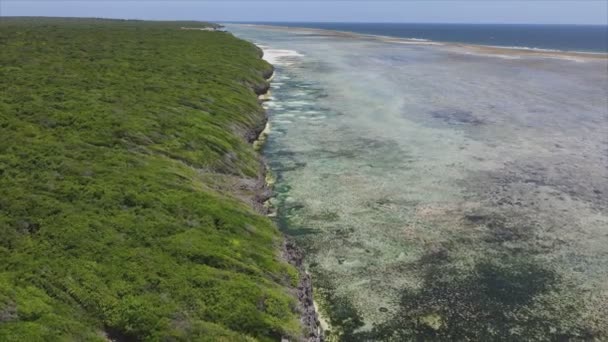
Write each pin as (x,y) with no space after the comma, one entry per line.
(290,252)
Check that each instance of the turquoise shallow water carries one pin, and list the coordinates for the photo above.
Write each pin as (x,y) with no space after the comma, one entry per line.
(441,193)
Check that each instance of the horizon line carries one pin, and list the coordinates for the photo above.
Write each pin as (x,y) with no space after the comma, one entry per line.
(306,22)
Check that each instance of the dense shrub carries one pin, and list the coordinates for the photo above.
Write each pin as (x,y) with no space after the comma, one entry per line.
(116,139)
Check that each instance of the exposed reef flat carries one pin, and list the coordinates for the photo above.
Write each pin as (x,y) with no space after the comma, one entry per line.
(498,51)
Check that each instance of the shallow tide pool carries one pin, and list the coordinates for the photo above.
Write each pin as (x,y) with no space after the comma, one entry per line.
(441,193)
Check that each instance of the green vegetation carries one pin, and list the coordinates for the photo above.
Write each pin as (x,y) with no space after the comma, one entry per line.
(120,146)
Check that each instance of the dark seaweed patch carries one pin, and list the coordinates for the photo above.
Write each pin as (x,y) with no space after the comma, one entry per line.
(340,310)
(292,208)
(384,202)
(435,255)
(282,153)
(500,229)
(287,210)
(288,165)
(294,230)
(457,117)
(282,188)
(340,153)
(325,215)
(491,302)
(284,160)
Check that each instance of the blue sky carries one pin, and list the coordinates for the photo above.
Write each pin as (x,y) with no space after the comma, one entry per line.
(453,11)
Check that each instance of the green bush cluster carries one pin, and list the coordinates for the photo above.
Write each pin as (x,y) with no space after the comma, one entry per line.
(115,140)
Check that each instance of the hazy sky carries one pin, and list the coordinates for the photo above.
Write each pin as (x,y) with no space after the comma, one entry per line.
(455,11)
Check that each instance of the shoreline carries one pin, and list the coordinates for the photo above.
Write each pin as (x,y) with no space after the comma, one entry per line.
(466,48)
(290,252)
(160,198)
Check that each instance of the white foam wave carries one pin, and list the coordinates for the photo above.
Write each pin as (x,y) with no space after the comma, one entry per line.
(523,48)
(280,56)
(283,122)
(497,55)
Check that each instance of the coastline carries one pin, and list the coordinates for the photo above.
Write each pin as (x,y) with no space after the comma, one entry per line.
(164,172)
(309,316)
(464,48)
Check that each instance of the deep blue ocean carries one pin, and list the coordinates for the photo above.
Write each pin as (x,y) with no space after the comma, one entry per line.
(554,37)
